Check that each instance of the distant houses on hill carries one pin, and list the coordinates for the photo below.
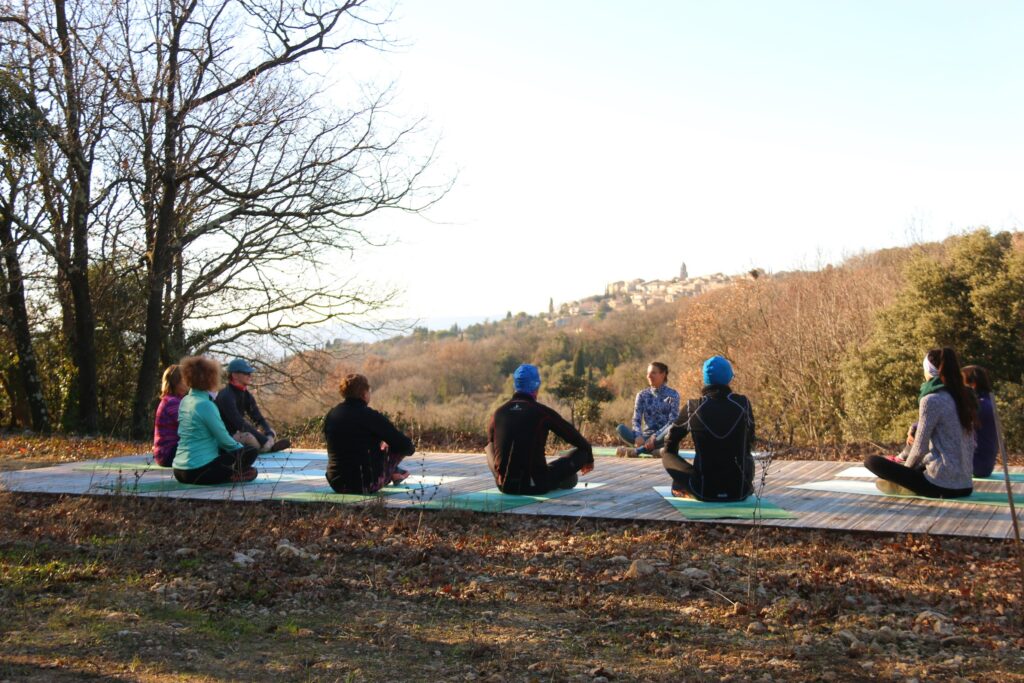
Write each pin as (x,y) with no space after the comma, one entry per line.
(641,294)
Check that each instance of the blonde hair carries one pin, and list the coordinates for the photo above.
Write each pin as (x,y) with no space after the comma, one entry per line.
(353,385)
(171,380)
(200,372)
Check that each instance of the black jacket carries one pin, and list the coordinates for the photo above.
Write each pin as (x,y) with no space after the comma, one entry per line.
(722,426)
(354,432)
(234,404)
(517,434)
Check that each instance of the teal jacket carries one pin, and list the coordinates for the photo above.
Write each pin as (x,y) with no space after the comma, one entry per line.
(201,432)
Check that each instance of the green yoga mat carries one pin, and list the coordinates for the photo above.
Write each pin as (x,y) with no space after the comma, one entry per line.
(868,488)
(493,500)
(325,494)
(121,466)
(865,473)
(746,509)
(261,463)
(166,485)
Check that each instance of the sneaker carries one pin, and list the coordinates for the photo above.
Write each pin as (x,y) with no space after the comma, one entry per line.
(891,488)
(399,475)
(241,477)
(626,452)
(280,445)
(569,482)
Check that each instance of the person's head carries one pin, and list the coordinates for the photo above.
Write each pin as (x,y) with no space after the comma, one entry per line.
(173,384)
(976,377)
(526,379)
(717,370)
(946,367)
(240,372)
(657,374)
(201,373)
(354,385)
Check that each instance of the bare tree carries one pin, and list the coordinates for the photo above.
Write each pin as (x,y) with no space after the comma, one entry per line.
(49,45)
(195,139)
(247,183)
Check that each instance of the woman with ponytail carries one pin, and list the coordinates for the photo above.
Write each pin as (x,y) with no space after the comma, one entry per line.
(939,461)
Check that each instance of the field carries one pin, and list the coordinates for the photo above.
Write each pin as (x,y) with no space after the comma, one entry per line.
(153,589)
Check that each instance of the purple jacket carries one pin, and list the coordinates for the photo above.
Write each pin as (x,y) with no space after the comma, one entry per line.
(165,431)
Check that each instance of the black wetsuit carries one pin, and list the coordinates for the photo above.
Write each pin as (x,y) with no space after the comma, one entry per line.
(355,462)
(722,426)
(517,436)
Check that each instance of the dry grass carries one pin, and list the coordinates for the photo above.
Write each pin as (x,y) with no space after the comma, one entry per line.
(146,589)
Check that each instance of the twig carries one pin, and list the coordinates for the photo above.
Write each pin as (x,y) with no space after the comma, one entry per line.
(1009,493)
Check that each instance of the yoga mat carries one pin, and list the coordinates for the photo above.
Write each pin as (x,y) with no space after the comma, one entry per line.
(122,466)
(868,488)
(610,450)
(493,500)
(293,455)
(747,509)
(865,473)
(260,464)
(325,494)
(165,485)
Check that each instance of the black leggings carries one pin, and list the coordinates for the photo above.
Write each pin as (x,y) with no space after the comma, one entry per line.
(221,468)
(558,474)
(908,478)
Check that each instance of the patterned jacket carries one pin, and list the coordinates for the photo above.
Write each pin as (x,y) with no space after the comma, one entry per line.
(655,409)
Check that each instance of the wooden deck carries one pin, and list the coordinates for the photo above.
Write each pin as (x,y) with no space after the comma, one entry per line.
(627,492)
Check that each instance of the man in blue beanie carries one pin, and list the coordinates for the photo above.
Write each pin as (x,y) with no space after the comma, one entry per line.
(516,438)
(722,426)
(236,403)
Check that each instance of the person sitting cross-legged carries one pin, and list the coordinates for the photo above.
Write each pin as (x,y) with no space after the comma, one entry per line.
(939,460)
(654,410)
(722,426)
(517,435)
(364,449)
(236,403)
(206,453)
(165,427)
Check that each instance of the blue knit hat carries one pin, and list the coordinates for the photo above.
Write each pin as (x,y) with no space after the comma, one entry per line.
(717,370)
(526,379)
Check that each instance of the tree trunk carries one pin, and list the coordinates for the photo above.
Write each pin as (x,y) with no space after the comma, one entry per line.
(159,262)
(28,369)
(78,220)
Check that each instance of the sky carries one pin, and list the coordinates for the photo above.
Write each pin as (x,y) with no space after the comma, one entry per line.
(595,141)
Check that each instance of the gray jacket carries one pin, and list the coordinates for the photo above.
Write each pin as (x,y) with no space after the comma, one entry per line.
(941,445)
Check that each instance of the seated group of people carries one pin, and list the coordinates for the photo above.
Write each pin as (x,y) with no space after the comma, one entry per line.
(953,440)
(208,440)
(204,434)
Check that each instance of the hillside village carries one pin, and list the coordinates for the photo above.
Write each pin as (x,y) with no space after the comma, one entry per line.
(641,294)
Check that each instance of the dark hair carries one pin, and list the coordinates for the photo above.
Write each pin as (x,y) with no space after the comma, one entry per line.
(200,372)
(353,385)
(949,372)
(977,377)
(661,366)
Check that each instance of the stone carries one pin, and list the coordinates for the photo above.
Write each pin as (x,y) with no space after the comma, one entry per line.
(242,560)
(756,627)
(694,574)
(285,548)
(639,568)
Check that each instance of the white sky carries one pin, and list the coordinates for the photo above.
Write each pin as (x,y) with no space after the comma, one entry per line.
(599,141)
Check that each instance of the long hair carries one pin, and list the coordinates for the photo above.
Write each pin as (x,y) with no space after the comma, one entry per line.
(170,381)
(977,377)
(949,372)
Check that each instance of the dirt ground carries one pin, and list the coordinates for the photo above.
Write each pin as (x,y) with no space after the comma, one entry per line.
(97,588)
